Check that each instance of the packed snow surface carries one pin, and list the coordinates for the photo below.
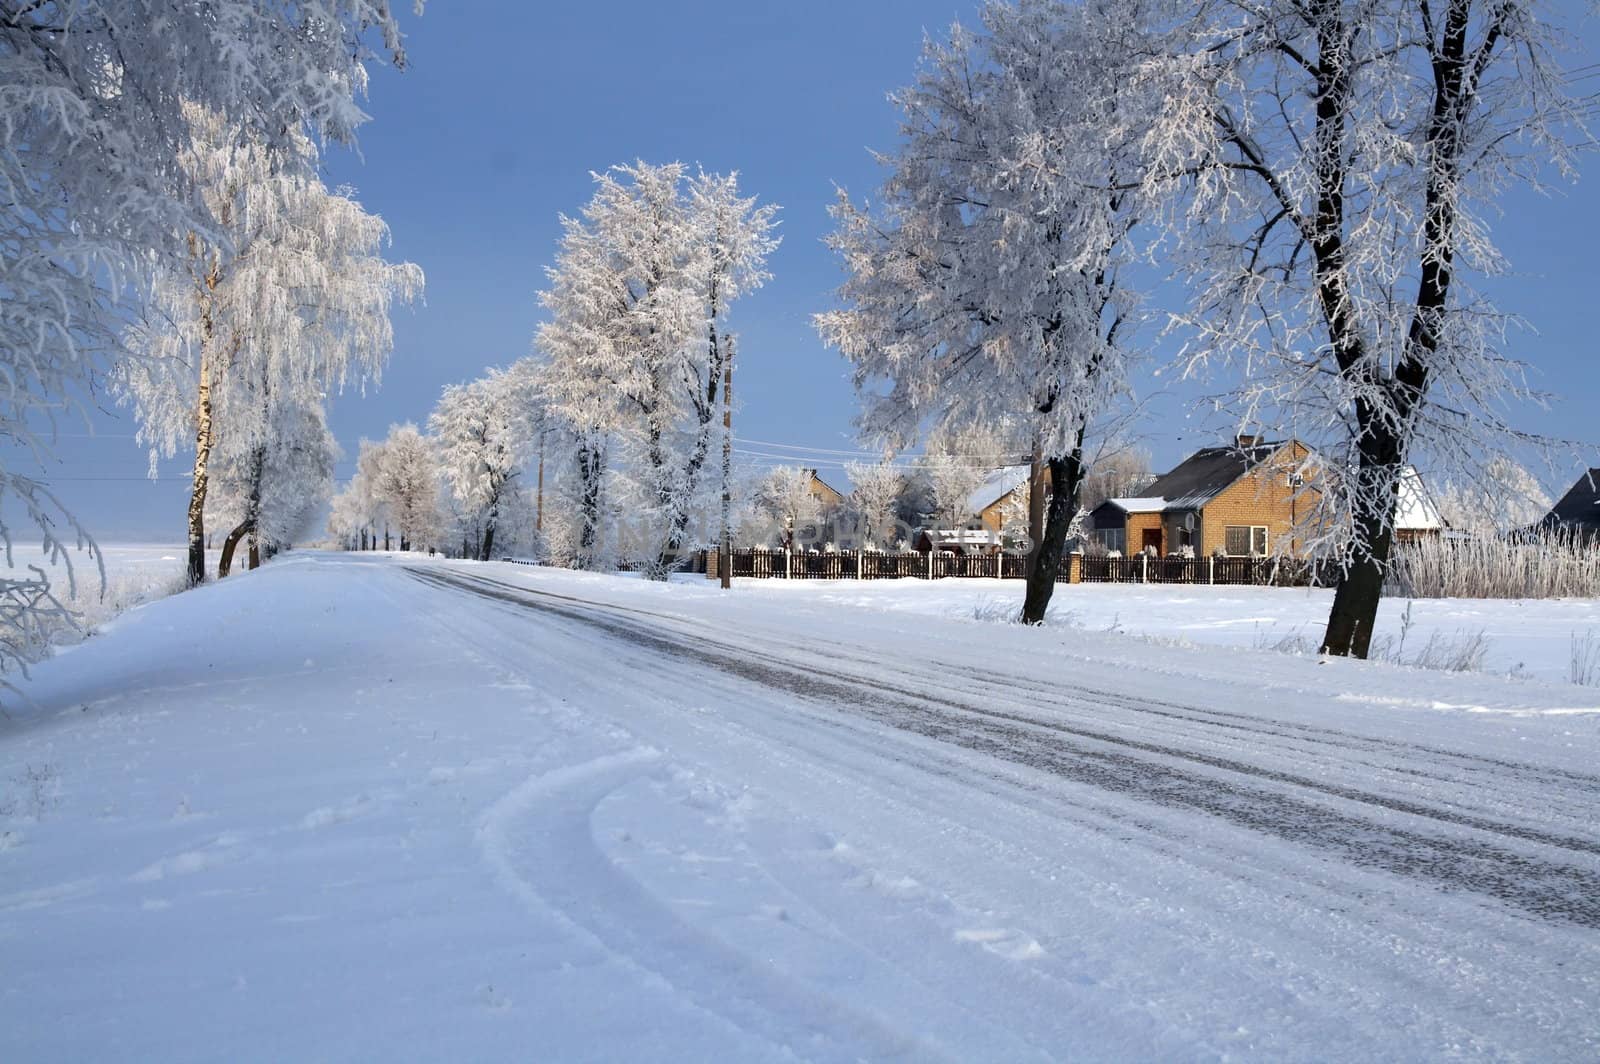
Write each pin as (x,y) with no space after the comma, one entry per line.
(357,807)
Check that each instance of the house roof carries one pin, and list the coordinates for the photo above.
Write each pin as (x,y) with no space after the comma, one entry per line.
(1416,510)
(1207,473)
(1001,482)
(1144,504)
(1580,506)
(817,481)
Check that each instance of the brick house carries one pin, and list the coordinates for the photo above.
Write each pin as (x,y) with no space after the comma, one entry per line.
(1005,489)
(1242,499)
(1251,497)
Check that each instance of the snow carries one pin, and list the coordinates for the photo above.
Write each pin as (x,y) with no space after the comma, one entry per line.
(1146,505)
(359,807)
(1525,638)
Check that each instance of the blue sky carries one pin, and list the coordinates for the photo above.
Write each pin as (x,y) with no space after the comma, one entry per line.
(476,149)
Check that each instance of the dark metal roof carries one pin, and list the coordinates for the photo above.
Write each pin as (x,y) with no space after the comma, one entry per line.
(1580,506)
(1205,474)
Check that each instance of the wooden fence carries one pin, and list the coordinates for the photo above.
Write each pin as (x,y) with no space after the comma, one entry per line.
(1009,565)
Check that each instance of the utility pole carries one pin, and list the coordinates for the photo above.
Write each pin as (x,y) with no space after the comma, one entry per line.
(725,548)
(538,513)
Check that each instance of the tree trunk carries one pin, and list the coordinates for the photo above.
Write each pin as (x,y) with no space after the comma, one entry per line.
(488,543)
(1066,474)
(1036,503)
(255,550)
(591,468)
(229,545)
(202,460)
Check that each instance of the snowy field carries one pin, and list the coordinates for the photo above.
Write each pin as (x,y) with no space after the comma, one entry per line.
(348,807)
(1531,638)
(135,573)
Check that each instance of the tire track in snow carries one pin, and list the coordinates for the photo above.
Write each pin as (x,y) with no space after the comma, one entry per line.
(538,843)
(1539,886)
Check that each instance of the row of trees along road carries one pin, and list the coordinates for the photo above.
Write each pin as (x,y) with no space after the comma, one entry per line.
(100,97)
(1315,174)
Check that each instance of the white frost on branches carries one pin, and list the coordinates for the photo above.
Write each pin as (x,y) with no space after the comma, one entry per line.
(634,353)
(91,133)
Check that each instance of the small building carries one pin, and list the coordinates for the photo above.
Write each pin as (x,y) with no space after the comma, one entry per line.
(826,494)
(1005,489)
(958,541)
(1416,515)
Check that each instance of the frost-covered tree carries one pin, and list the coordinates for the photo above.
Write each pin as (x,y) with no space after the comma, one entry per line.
(272,493)
(983,287)
(1120,471)
(787,498)
(91,133)
(474,432)
(875,490)
(289,300)
(1508,497)
(356,513)
(636,344)
(408,485)
(1333,164)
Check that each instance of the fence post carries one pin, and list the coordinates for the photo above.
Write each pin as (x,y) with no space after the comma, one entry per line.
(1075,567)
(1144,569)
(930,564)
(1211,569)
(859,570)
(788,565)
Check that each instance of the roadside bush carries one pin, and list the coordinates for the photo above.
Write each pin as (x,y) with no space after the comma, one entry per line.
(1555,566)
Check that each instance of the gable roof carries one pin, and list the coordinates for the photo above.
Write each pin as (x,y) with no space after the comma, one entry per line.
(1415,510)
(1207,473)
(1001,482)
(817,481)
(1580,506)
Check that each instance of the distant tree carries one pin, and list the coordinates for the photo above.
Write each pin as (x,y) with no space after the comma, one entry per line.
(474,431)
(984,288)
(786,497)
(1506,498)
(1119,472)
(874,495)
(636,345)
(408,485)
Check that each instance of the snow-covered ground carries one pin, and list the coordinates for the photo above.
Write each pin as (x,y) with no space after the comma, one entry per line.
(1530,638)
(348,807)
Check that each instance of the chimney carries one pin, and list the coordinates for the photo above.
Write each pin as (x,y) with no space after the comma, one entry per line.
(1244,442)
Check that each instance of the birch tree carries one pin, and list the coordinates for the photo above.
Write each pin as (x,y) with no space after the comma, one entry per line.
(1332,164)
(983,288)
(875,490)
(270,495)
(291,300)
(91,131)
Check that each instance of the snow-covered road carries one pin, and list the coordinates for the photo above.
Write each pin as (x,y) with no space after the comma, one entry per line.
(347,807)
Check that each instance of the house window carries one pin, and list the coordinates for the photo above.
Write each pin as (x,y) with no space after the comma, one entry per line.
(1243,540)
(1111,538)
